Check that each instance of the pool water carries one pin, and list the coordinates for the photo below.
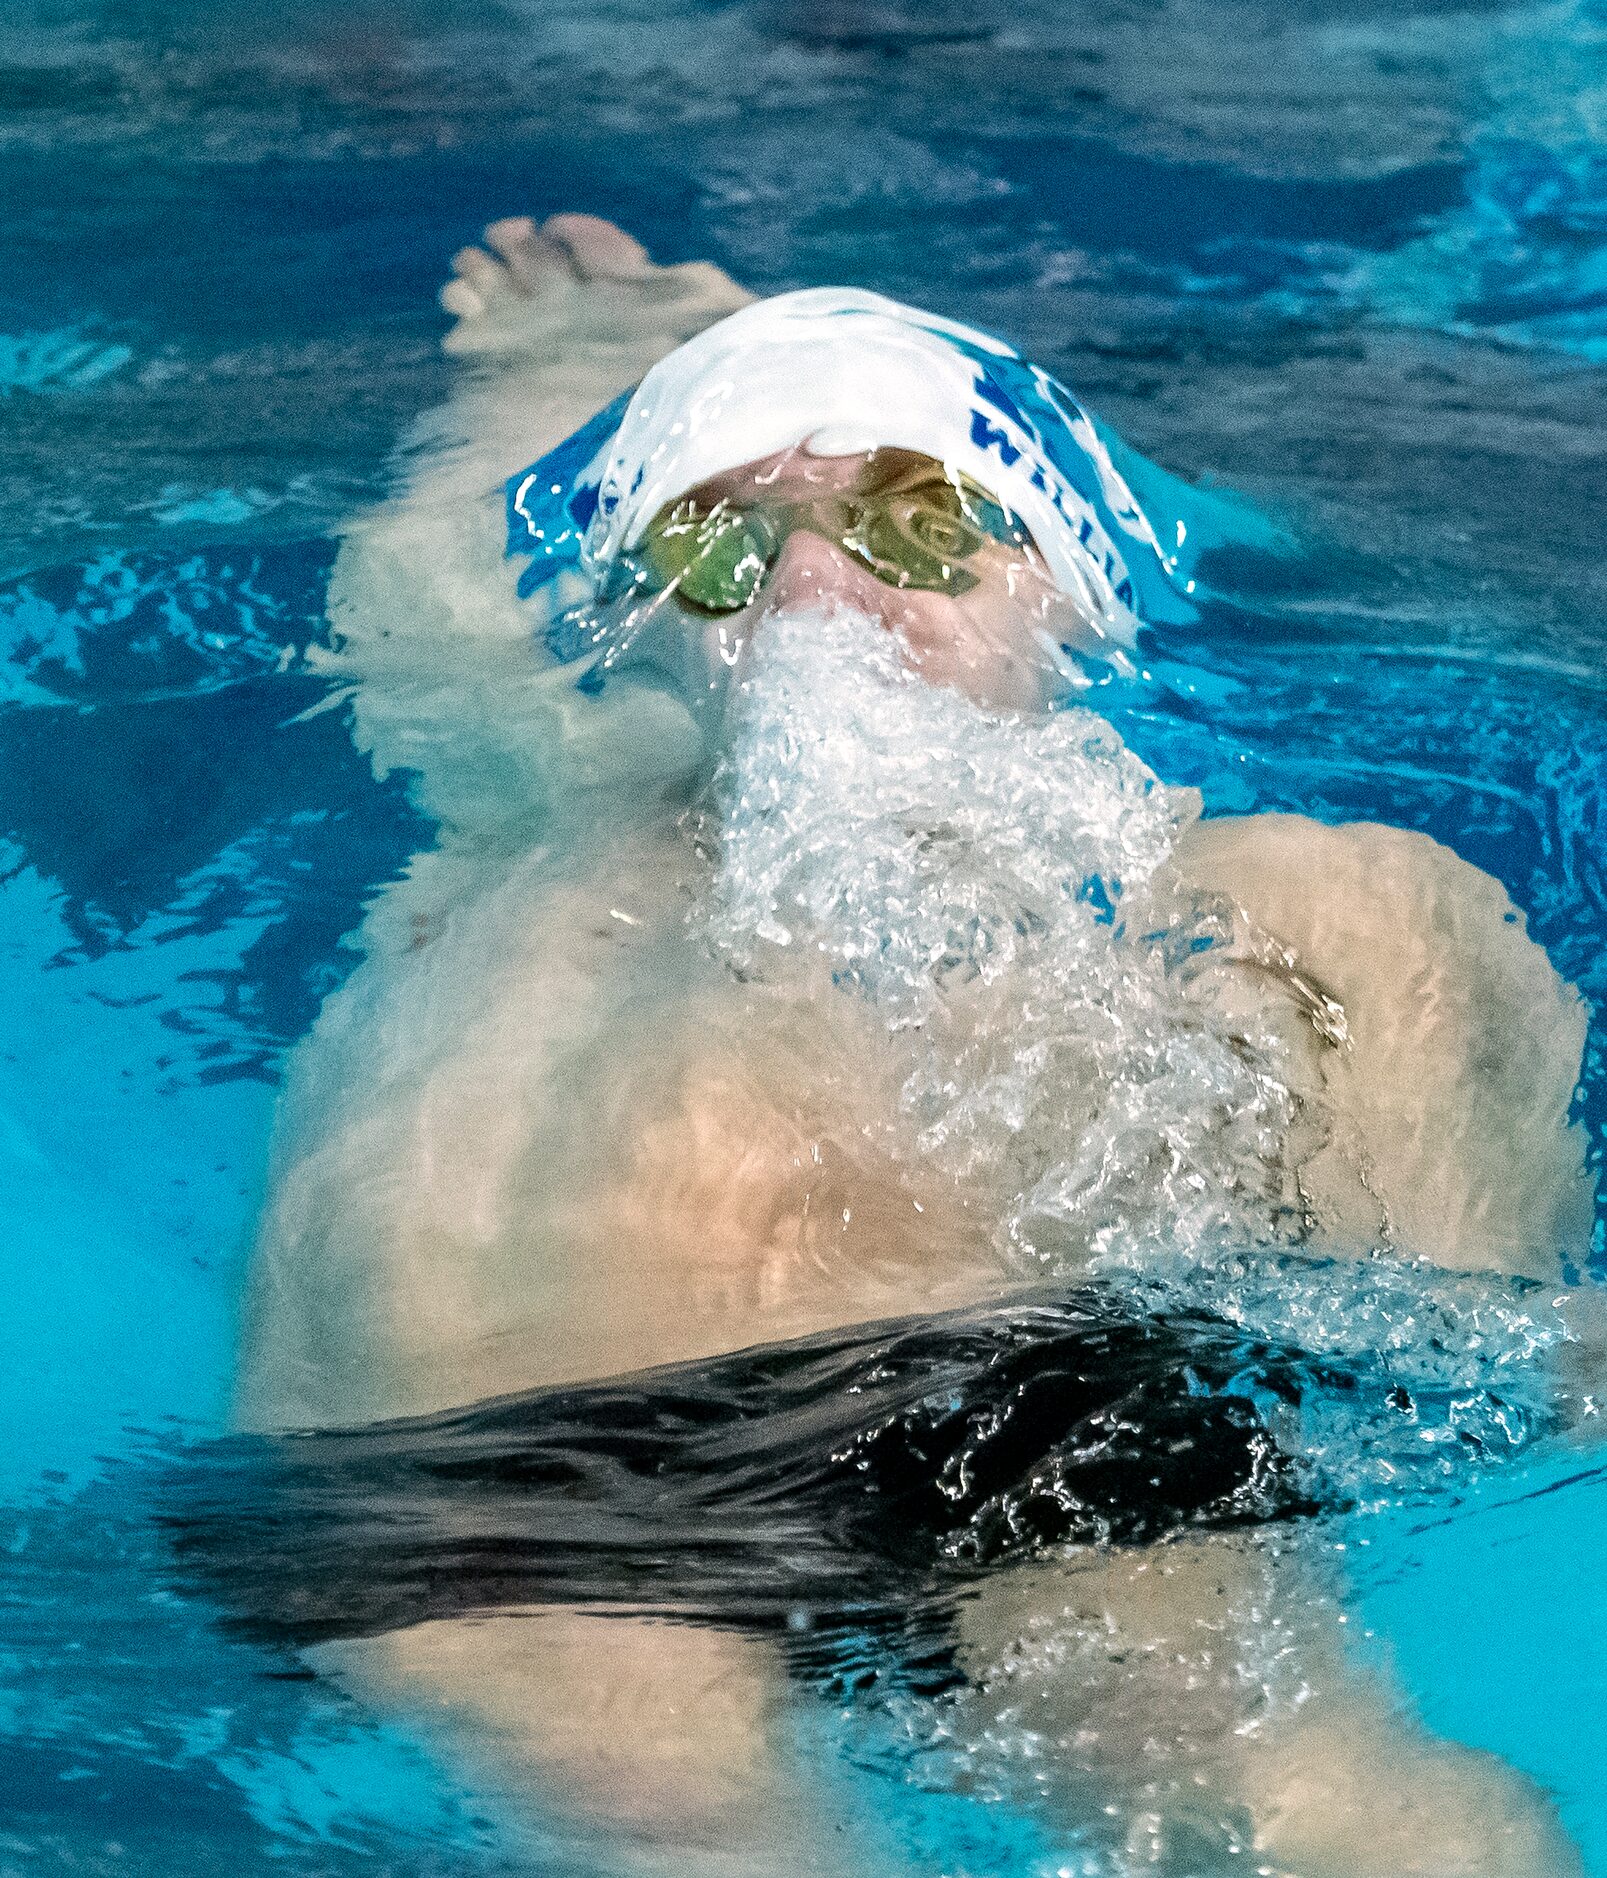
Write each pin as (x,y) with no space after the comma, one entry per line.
(1343,267)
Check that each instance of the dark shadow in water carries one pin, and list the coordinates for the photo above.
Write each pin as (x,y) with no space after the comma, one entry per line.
(1119,201)
(180,776)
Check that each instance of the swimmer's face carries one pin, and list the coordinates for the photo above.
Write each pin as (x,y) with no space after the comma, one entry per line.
(963,618)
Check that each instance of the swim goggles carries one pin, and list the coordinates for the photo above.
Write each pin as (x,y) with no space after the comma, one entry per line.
(910,520)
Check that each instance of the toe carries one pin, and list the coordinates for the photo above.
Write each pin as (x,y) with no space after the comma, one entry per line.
(460,299)
(482,275)
(599,249)
(531,258)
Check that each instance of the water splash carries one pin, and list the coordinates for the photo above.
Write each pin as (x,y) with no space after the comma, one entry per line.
(996,888)
(997,892)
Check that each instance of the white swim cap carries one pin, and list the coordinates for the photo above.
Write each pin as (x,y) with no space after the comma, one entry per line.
(846,372)
(841,371)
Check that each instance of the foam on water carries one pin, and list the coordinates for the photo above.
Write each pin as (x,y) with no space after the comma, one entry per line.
(999,891)
(996,887)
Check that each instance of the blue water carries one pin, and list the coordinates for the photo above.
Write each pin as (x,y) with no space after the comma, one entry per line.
(1344,262)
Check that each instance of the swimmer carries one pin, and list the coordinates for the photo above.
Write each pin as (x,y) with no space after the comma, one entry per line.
(743,997)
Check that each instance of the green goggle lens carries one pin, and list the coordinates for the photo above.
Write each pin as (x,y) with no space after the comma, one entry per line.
(910,530)
(715,558)
(918,539)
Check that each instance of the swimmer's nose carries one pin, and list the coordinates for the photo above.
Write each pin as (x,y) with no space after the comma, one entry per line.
(810,570)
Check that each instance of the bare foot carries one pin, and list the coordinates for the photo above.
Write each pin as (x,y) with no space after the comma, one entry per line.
(552,323)
(577,281)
